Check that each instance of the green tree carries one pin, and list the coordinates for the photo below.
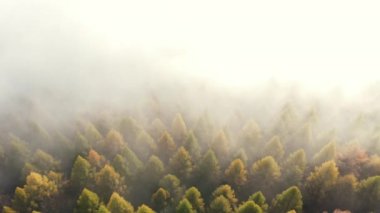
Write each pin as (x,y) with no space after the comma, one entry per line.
(294,168)
(20,200)
(80,173)
(165,147)
(369,194)
(144,209)
(161,199)
(144,145)
(274,148)
(103,209)
(220,145)
(88,201)
(113,143)
(118,204)
(208,172)
(328,152)
(191,144)
(236,173)
(173,185)
(193,195)
(185,206)
(121,166)
(265,174)
(179,129)
(180,164)
(290,199)
(41,162)
(133,162)
(107,181)
(259,199)
(319,183)
(220,205)
(227,192)
(347,186)
(249,207)
(250,136)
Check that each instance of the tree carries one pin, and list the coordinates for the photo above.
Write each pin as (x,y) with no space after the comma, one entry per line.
(179,129)
(265,174)
(121,166)
(41,162)
(325,154)
(95,159)
(117,204)
(130,128)
(259,199)
(80,173)
(319,183)
(220,146)
(133,162)
(20,200)
(294,168)
(220,205)
(38,190)
(154,169)
(369,194)
(161,199)
(92,135)
(107,181)
(193,195)
(184,206)
(236,173)
(144,145)
(290,199)
(88,201)
(165,147)
(7,209)
(347,186)
(208,172)
(249,207)
(144,209)
(274,148)
(113,143)
(227,192)
(180,164)
(103,209)
(191,144)
(250,136)
(173,185)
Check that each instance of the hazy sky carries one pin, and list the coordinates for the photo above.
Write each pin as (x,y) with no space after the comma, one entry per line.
(317,44)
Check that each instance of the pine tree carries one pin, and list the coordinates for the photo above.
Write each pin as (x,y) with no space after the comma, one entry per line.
(236,173)
(259,199)
(103,209)
(144,209)
(165,147)
(161,199)
(121,166)
(220,205)
(294,168)
(328,152)
(265,174)
(184,206)
(118,204)
(88,201)
(144,145)
(369,194)
(220,145)
(113,143)
(80,173)
(249,207)
(180,164)
(173,185)
(274,148)
(290,199)
(208,172)
(107,181)
(319,183)
(227,192)
(193,195)
(191,144)
(179,129)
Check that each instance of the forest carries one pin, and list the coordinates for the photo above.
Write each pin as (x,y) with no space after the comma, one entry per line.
(165,156)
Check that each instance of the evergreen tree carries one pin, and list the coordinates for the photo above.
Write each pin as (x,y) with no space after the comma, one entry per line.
(133,162)
(227,192)
(274,148)
(191,144)
(103,209)
(88,201)
(118,204)
(113,143)
(161,199)
(259,199)
(220,145)
(179,129)
(236,173)
(265,174)
(184,206)
(193,195)
(369,194)
(290,199)
(173,185)
(144,209)
(144,145)
(80,173)
(121,166)
(180,164)
(294,168)
(220,205)
(319,183)
(325,154)
(249,207)
(208,172)
(165,147)
(107,181)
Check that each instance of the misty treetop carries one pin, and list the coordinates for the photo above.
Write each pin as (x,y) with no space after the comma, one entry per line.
(164,161)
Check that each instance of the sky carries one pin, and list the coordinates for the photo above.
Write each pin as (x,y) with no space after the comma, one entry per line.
(318,45)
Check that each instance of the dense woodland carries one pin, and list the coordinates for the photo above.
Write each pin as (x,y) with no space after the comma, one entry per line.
(158,160)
